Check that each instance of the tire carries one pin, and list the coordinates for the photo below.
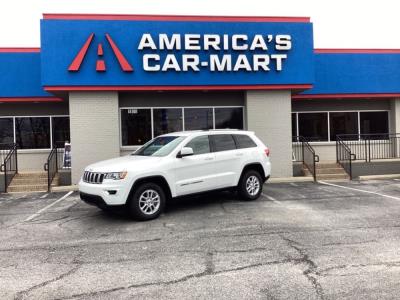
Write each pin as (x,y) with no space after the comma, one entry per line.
(250,185)
(147,202)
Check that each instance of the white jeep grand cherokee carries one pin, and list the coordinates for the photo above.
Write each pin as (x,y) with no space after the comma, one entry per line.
(178,164)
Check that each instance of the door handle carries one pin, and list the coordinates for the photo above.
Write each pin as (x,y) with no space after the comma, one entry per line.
(209,158)
(239,154)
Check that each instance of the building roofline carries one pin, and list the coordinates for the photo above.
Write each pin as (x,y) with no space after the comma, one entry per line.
(345,96)
(19,50)
(356,51)
(179,88)
(182,18)
(29,99)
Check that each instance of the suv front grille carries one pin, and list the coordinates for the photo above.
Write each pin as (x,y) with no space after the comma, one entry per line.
(91,177)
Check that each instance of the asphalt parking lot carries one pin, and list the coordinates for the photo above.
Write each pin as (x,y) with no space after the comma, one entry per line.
(299,241)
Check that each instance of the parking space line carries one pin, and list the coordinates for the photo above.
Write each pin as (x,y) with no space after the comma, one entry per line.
(271,198)
(44,196)
(358,190)
(30,218)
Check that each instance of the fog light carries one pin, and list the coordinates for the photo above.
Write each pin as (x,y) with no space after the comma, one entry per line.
(112,192)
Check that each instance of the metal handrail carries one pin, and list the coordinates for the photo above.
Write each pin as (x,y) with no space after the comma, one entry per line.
(307,155)
(53,164)
(344,156)
(10,163)
(370,147)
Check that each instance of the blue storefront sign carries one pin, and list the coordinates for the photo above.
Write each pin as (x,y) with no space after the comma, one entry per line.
(185,53)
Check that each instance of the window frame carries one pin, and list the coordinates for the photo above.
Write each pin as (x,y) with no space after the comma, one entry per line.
(51,124)
(13,125)
(152,118)
(358,121)
(327,122)
(120,127)
(36,116)
(243,116)
(134,147)
(339,111)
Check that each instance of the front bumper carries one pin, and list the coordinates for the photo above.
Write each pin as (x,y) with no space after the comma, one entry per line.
(93,200)
(107,194)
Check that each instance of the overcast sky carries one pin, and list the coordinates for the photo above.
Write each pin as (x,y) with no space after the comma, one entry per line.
(337,23)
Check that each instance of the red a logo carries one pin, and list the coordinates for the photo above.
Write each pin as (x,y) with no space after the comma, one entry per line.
(100,64)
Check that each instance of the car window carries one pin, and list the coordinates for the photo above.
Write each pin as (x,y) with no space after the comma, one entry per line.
(244,141)
(223,142)
(160,146)
(200,145)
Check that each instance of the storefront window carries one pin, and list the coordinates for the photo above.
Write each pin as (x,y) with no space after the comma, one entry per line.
(33,132)
(198,118)
(229,118)
(6,131)
(136,126)
(343,123)
(374,123)
(167,120)
(313,126)
(61,131)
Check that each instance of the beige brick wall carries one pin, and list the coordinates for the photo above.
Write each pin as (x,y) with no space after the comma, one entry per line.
(325,151)
(32,160)
(94,121)
(394,116)
(268,114)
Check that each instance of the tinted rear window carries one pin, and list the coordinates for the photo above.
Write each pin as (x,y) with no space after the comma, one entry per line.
(244,141)
(223,142)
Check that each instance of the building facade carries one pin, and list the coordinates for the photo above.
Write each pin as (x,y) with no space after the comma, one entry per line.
(109,83)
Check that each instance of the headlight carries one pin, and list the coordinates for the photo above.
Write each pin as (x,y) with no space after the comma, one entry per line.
(115,175)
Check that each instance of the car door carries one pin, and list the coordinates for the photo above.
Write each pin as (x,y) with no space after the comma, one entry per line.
(227,159)
(195,173)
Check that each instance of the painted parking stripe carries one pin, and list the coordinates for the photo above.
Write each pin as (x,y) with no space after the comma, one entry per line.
(30,218)
(358,190)
(44,196)
(271,198)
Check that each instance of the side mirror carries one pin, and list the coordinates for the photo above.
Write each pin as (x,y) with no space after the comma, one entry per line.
(185,151)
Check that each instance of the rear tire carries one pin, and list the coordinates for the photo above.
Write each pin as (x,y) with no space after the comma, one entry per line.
(250,185)
(147,202)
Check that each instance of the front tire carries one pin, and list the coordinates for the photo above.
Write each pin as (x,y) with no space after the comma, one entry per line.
(250,185)
(147,202)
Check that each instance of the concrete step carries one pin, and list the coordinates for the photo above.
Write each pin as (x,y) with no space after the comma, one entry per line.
(26,182)
(333,177)
(327,165)
(31,175)
(32,180)
(338,171)
(332,171)
(27,188)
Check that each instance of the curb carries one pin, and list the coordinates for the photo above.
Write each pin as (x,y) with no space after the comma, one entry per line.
(290,179)
(65,188)
(375,177)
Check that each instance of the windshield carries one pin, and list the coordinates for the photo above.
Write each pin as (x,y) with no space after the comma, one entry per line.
(160,146)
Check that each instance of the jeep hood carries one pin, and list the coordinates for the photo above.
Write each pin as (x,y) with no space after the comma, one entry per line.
(124,163)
